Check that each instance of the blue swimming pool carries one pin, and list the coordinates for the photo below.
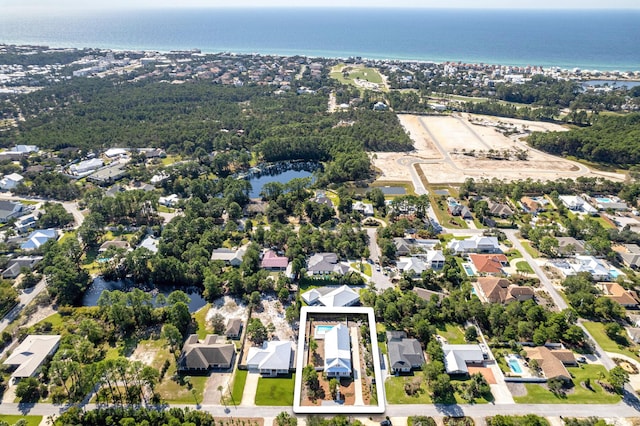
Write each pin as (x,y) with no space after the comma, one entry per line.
(603,200)
(321,330)
(468,269)
(613,273)
(514,365)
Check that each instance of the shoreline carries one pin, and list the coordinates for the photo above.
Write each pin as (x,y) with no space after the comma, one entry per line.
(562,68)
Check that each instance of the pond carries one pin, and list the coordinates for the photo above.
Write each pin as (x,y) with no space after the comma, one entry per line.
(393,190)
(280,172)
(99,284)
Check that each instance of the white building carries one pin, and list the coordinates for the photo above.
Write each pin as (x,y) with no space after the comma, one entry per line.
(475,244)
(331,297)
(337,352)
(85,167)
(30,354)
(457,357)
(272,359)
(10,181)
(577,203)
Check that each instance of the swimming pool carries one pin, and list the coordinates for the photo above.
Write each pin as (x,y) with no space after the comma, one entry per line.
(468,269)
(603,200)
(514,365)
(613,273)
(321,330)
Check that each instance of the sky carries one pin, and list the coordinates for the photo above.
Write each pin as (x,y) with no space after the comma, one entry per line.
(44,5)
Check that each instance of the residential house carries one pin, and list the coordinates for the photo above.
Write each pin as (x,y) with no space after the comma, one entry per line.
(255,207)
(331,296)
(212,353)
(427,295)
(456,209)
(85,167)
(475,244)
(403,246)
(337,352)
(364,208)
(631,256)
(229,256)
(10,210)
(321,198)
(38,238)
(31,354)
(272,359)
(500,290)
(569,246)
(551,362)
(501,210)
(489,264)
(598,268)
(169,200)
(577,203)
(380,106)
(272,262)
(609,203)
(458,357)
(411,265)
(116,244)
(534,205)
(150,243)
(404,354)
(234,328)
(325,264)
(617,293)
(24,223)
(10,181)
(14,266)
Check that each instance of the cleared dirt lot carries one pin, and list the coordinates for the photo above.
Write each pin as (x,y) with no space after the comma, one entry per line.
(443,142)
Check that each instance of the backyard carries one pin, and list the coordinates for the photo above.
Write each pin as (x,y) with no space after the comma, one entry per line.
(579,394)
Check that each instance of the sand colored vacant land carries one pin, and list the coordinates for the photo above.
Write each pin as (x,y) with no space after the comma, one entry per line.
(450,149)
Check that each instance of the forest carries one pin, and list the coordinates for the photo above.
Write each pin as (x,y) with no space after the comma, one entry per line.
(611,140)
(199,118)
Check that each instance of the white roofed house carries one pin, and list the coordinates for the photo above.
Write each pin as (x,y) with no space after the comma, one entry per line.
(10,181)
(475,244)
(337,352)
(272,359)
(229,256)
(10,210)
(86,167)
(457,357)
(31,354)
(331,296)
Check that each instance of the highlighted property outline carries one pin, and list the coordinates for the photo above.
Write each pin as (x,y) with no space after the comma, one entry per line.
(375,355)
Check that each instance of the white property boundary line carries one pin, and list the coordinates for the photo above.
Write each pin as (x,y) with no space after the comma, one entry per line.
(339,409)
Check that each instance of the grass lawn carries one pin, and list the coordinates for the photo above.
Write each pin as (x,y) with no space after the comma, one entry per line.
(532,251)
(276,391)
(170,159)
(394,388)
(72,234)
(452,333)
(604,222)
(355,72)
(203,327)
(366,268)
(596,329)
(537,394)
(238,386)
(165,209)
(523,266)
(381,332)
(513,254)
(12,419)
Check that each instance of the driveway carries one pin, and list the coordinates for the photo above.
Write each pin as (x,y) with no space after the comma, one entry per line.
(250,388)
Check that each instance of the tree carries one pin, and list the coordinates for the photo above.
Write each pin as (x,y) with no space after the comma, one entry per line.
(218,323)
(618,377)
(173,336)
(285,419)
(549,246)
(256,331)
(442,389)
(471,334)
(28,389)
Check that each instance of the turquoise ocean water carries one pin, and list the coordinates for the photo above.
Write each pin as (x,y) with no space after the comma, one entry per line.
(604,40)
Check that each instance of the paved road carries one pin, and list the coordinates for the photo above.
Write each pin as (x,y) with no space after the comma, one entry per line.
(69,206)
(628,408)
(381,281)
(25,298)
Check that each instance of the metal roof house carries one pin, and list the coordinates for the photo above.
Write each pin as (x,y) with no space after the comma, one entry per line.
(337,352)
(30,354)
(272,359)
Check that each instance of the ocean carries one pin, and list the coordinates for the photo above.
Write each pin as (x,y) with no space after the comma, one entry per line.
(603,40)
